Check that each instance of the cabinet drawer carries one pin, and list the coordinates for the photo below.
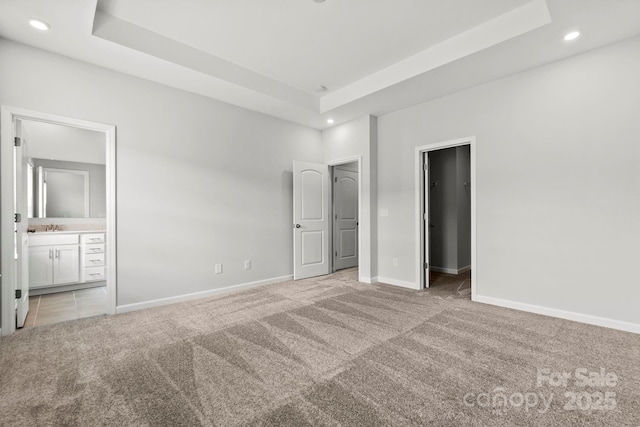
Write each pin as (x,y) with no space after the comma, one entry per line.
(97,248)
(93,260)
(93,273)
(92,238)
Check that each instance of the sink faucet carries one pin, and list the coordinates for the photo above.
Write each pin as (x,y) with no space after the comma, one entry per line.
(52,227)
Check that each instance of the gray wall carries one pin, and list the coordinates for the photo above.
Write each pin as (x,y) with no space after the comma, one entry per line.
(199,181)
(97,183)
(56,142)
(558,179)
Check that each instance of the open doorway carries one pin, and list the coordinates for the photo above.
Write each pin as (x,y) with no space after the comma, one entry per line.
(445,198)
(58,201)
(448,208)
(345,179)
(314,249)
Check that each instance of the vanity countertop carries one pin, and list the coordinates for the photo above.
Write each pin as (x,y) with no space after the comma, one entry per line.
(39,233)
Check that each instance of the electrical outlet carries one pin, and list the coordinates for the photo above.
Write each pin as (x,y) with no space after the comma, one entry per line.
(218,268)
(384,212)
(247,264)
(395,262)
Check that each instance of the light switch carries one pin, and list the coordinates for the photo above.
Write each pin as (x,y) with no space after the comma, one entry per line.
(218,268)
(384,212)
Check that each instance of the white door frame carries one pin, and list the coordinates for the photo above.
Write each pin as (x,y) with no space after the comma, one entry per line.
(361,253)
(419,198)
(8,115)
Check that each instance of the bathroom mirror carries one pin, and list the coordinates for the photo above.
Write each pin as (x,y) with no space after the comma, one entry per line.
(63,193)
(63,189)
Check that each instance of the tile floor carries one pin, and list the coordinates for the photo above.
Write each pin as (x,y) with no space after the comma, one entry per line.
(63,306)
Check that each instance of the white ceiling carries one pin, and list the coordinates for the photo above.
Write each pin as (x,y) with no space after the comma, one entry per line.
(375,56)
(305,44)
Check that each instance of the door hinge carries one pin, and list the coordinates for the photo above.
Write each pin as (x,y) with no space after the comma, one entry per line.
(426,265)
(336,253)
(17,142)
(336,216)
(335,179)
(425,166)
(17,217)
(18,293)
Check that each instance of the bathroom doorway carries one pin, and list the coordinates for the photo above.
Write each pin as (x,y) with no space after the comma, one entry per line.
(58,200)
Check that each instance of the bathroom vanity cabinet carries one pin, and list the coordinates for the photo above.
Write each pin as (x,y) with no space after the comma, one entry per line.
(57,259)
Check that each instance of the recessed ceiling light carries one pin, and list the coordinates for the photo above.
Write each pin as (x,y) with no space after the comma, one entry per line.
(319,1)
(39,25)
(572,36)
(330,121)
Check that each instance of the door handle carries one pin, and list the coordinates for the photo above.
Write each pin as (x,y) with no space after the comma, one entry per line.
(298,226)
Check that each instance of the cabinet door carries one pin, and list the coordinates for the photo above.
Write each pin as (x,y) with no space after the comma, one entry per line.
(40,266)
(66,266)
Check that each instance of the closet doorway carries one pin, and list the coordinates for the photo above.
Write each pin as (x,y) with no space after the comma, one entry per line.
(445,213)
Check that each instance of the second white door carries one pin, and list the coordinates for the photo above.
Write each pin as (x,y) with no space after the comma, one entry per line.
(345,219)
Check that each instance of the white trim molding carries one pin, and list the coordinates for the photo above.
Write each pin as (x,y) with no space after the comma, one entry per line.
(197,295)
(562,314)
(396,282)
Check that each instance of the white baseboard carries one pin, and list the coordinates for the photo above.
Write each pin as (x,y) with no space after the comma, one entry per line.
(562,314)
(451,270)
(187,297)
(395,282)
(368,280)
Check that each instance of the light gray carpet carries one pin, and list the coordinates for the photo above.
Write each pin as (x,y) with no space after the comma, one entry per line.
(326,351)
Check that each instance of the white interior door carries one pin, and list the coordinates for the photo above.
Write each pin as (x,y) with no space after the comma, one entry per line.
(311,189)
(21,243)
(345,219)
(426,183)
